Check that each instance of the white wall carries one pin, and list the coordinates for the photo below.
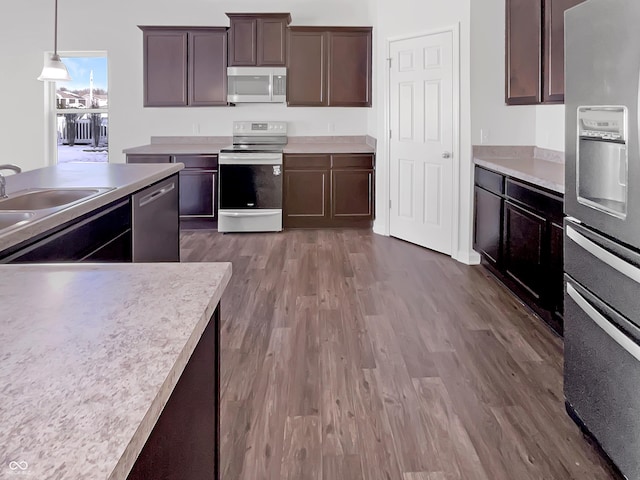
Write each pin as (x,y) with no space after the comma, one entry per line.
(403,18)
(26,31)
(541,125)
(550,127)
(506,125)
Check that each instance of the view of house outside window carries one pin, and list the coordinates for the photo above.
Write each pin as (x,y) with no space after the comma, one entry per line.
(82,116)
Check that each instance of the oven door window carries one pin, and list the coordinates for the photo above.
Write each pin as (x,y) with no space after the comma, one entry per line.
(250,187)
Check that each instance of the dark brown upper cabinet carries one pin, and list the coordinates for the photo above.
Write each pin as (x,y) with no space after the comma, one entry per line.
(329,66)
(523,51)
(185,66)
(535,51)
(307,69)
(553,49)
(258,39)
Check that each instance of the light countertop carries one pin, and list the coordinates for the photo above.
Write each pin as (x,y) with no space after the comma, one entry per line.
(534,166)
(177,149)
(212,145)
(323,148)
(89,357)
(122,179)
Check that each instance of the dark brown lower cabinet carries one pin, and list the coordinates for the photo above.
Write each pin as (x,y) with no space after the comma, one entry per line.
(328,191)
(488,225)
(185,441)
(352,199)
(524,237)
(100,236)
(518,233)
(197,193)
(306,197)
(144,158)
(198,183)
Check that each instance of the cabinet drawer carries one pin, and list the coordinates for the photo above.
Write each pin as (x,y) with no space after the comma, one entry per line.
(307,161)
(494,182)
(197,161)
(352,161)
(539,200)
(148,158)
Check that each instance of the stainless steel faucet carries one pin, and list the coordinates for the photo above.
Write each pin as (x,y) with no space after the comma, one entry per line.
(3,181)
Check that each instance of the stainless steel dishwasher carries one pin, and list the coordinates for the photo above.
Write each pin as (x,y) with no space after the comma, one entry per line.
(155,222)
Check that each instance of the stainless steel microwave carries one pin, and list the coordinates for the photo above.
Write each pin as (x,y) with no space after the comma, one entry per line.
(256,85)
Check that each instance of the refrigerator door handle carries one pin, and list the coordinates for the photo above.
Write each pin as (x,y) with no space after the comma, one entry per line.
(620,338)
(605,256)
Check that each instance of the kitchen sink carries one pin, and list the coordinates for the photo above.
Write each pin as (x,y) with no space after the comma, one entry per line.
(40,199)
(10,219)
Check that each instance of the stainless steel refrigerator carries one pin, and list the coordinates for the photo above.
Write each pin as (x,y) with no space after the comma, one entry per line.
(602,228)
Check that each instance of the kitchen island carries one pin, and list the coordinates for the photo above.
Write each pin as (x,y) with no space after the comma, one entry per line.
(92,354)
(112,208)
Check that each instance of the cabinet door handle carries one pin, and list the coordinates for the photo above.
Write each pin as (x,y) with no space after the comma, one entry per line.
(610,329)
(605,256)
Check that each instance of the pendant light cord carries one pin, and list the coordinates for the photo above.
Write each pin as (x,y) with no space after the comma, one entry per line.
(55,30)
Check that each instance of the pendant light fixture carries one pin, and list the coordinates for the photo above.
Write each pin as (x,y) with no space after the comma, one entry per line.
(54,70)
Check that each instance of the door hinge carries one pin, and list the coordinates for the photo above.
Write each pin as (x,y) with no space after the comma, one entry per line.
(390,133)
(389,62)
(389,204)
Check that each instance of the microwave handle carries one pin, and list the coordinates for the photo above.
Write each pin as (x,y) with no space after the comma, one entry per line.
(610,329)
(605,256)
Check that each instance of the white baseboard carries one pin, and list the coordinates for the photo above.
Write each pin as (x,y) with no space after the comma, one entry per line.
(468,257)
(379,228)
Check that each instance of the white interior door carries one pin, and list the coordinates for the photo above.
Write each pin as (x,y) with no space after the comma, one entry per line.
(421,144)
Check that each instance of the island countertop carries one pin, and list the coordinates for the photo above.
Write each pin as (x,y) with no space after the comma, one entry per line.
(89,356)
(121,180)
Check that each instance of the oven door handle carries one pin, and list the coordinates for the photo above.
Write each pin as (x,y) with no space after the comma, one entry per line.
(605,256)
(610,329)
(248,214)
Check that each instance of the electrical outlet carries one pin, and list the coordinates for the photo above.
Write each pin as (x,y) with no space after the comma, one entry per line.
(484,136)
(196,128)
(331,127)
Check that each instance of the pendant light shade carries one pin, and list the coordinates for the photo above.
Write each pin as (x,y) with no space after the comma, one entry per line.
(54,70)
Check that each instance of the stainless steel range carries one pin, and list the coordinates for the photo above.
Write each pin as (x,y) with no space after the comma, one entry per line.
(250,178)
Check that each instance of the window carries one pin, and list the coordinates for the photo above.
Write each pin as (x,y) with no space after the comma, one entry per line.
(79,110)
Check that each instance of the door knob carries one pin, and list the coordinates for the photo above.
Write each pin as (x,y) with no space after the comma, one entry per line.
(446,155)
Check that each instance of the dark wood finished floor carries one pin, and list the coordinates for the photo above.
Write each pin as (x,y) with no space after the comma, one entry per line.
(347,355)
